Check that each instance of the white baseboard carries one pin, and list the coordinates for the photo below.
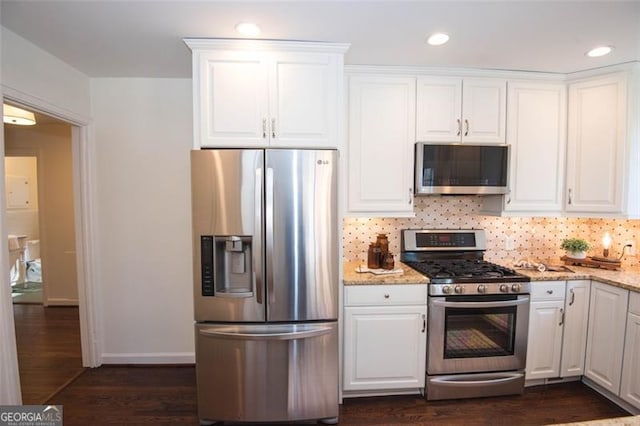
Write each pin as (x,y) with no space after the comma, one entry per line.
(150,358)
(61,302)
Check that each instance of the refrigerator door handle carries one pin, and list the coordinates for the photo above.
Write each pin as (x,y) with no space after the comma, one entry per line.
(269,227)
(293,335)
(257,255)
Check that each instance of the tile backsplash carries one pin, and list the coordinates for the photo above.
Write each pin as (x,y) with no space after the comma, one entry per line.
(534,238)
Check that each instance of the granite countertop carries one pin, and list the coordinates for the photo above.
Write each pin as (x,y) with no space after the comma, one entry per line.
(616,421)
(408,276)
(629,278)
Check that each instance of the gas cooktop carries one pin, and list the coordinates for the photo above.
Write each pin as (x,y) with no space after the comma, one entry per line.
(453,260)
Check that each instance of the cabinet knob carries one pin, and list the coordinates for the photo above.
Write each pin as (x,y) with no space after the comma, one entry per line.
(273,128)
(264,128)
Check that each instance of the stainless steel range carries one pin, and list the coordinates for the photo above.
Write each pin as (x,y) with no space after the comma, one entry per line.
(478,315)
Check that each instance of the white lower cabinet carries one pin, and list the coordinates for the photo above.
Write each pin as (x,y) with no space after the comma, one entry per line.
(544,346)
(557,329)
(574,338)
(630,387)
(605,341)
(384,339)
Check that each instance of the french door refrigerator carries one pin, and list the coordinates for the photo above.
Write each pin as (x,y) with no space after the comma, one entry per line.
(265,284)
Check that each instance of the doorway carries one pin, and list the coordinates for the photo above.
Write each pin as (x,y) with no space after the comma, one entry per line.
(39,178)
(21,185)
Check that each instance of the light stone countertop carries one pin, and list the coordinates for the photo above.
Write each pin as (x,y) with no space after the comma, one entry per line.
(409,275)
(616,421)
(629,278)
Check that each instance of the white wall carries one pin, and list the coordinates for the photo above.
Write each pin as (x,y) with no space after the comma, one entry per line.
(29,70)
(143,134)
(23,220)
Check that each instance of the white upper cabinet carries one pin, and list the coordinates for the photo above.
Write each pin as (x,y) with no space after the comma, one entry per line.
(380,145)
(471,110)
(596,169)
(536,133)
(260,94)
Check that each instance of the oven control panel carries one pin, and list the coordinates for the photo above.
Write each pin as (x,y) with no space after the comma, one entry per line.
(480,288)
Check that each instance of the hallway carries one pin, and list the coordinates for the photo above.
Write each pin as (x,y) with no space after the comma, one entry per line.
(49,349)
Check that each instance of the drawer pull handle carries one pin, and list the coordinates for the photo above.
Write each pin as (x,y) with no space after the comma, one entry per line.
(386,296)
(549,291)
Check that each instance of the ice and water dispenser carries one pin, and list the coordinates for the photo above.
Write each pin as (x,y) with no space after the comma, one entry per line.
(226,266)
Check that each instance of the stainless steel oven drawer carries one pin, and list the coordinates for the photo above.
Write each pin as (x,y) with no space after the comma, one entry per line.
(475,385)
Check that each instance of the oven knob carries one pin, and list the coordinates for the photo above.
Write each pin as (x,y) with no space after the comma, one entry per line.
(446,289)
(516,287)
(504,288)
(458,289)
(482,288)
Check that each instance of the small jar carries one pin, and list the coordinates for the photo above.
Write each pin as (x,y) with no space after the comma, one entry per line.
(387,261)
(373,256)
(383,242)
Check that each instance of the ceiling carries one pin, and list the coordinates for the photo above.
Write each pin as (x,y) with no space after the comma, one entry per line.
(109,38)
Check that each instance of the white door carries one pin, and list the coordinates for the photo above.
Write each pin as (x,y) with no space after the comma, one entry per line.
(574,341)
(536,132)
(545,339)
(438,109)
(484,110)
(384,347)
(630,389)
(596,145)
(232,100)
(605,340)
(302,100)
(381,137)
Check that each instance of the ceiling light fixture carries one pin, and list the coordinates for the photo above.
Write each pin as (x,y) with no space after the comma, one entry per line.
(438,39)
(599,51)
(15,115)
(248,29)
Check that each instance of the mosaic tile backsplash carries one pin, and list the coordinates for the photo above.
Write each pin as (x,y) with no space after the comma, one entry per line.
(535,238)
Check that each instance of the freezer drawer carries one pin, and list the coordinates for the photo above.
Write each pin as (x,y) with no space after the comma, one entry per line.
(271,372)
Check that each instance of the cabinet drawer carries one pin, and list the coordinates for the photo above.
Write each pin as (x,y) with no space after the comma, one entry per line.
(634,302)
(397,294)
(547,290)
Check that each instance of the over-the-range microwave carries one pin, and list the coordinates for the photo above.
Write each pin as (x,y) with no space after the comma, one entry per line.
(461,169)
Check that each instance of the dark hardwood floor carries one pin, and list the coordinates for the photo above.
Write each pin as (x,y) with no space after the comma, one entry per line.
(167,395)
(49,349)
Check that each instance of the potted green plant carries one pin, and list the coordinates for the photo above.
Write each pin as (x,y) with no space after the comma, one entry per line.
(576,248)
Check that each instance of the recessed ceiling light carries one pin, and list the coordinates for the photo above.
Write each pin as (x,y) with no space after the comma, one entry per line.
(599,51)
(248,29)
(438,39)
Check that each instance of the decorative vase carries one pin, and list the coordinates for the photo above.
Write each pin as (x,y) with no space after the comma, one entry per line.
(576,254)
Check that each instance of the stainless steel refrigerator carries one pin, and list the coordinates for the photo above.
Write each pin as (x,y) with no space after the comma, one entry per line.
(265,284)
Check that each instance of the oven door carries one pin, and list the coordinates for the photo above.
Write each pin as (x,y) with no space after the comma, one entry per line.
(480,333)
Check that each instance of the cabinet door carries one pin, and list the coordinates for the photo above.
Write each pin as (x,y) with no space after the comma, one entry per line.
(231,100)
(545,339)
(484,110)
(596,145)
(536,132)
(574,340)
(381,137)
(303,99)
(384,347)
(605,340)
(630,389)
(439,108)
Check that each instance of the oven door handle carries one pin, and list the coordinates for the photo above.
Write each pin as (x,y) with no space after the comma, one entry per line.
(500,304)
